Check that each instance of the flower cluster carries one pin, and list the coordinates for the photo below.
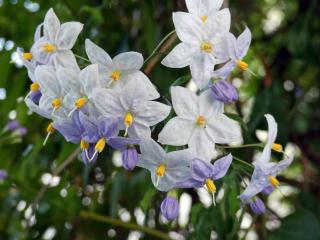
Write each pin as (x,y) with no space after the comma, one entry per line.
(112,102)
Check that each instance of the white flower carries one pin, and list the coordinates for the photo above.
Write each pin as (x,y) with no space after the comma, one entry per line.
(166,168)
(202,44)
(238,48)
(116,72)
(200,123)
(54,47)
(79,86)
(203,8)
(133,106)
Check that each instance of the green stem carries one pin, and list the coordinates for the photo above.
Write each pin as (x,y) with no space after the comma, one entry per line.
(159,45)
(243,162)
(116,222)
(243,146)
(82,58)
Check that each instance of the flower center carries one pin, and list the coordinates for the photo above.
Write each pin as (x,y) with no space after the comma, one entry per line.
(34,87)
(204,18)
(274,182)
(201,121)
(27,56)
(80,102)
(100,145)
(277,147)
(84,145)
(161,170)
(50,128)
(242,65)
(115,75)
(206,47)
(211,186)
(56,103)
(48,48)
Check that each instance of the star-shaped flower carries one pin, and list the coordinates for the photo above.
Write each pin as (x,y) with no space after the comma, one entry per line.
(238,48)
(133,106)
(200,123)
(166,168)
(265,171)
(116,72)
(54,47)
(202,44)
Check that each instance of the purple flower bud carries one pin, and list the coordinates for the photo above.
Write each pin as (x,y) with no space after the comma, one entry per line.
(35,96)
(170,208)
(3,174)
(267,190)
(257,206)
(224,91)
(12,125)
(21,131)
(129,158)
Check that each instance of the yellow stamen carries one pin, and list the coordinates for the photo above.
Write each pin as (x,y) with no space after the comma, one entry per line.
(80,102)
(242,65)
(204,18)
(48,48)
(128,119)
(100,145)
(27,56)
(277,147)
(206,47)
(50,128)
(84,145)
(34,87)
(56,103)
(201,121)
(274,182)
(115,75)
(211,186)
(161,170)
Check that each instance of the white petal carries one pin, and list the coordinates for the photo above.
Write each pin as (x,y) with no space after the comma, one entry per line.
(89,78)
(128,61)
(203,7)
(35,108)
(136,90)
(177,159)
(68,35)
(49,84)
(208,105)
(272,134)
(139,130)
(151,113)
(222,129)
(243,42)
(176,132)
(65,58)
(184,103)
(107,102)
(218,23)
(68,79)
(201,67)
(97,55)
(232,46)
(189,28)
(51,25)
(202,145)
(152,151)
(180,56)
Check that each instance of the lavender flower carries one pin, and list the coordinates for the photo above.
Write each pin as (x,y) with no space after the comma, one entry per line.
(224,91)
(170,208)
(3,174)
(204,173)
(12,125)
(21,131)
(257,206)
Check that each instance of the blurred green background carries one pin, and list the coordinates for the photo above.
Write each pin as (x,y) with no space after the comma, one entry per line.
(285,56)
